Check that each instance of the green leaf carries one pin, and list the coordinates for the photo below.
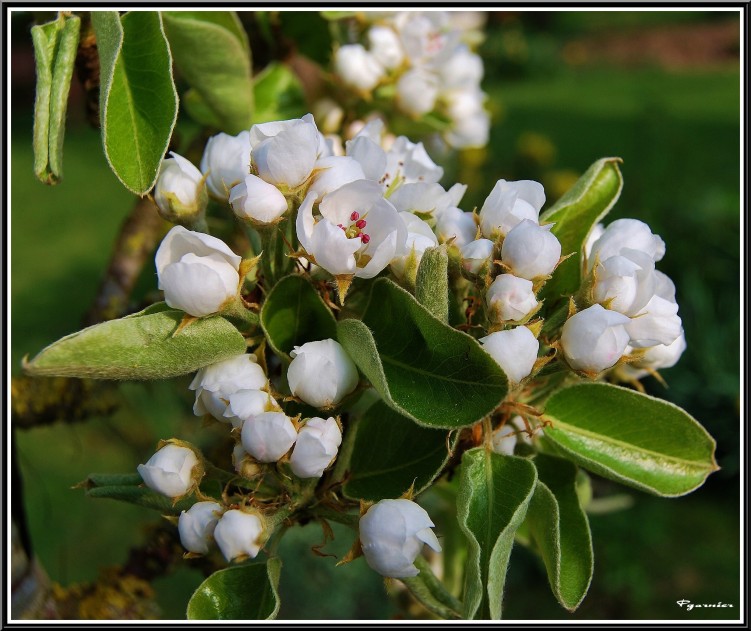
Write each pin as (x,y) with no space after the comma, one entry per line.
(432,284)
(391,453)
(140,346)
(55,49)
(293,314)
(629,437)
(574,214)
(278,94)
(560,528)
(138,99)
(424,369)
(211,51)
(140,496)
(241,592)
(494,493)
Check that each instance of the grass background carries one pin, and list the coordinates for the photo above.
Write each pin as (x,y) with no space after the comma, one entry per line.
(679,136)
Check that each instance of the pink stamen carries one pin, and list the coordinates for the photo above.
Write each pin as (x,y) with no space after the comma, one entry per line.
(341,226)
(354,216)
(361,224)
(365,238)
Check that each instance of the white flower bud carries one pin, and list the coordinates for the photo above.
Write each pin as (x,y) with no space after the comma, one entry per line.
(420,237)
(514,350)
(477,255)
(215,383)
(657,323)
(321,373)
(594,339)
(257,200)
(595,233)
(416,91)
(626,234)
(455,223)
(530,250)
(268,436)
(226,160)
(508,204)
(506,438)
(196,526)
(197,272)
(238,534)
(180,192)
(510,298)
(624,283)
(245,404)
(316,447)
(656,358)
(385,46)
(284,152)
(392,534)
(357,67)
(170,471)
(333,173)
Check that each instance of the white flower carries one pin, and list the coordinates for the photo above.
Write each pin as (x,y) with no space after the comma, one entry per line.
(514,350)
(171,471)
(369,154)
(285,152)
(510,298)
(594,339)
(238,534)
(595,233)
(268,436)
(197,272)
(392,534)
(426,36)
(455,223)
(321,373)
(257,200)
(214,384)
(416,92)
(226,160)
(316,447)
(477,255)
(333,173)
(245,404)
(626,234)
(180,191)
(422,198)
(411,162)
(463,70)
(508,204)
(358,232)
(530,250)
(656,358)
(506,438)
(658,321)
(357,67)
(624,283)
(384,45)
(196,526)
(469,131)
(420,237)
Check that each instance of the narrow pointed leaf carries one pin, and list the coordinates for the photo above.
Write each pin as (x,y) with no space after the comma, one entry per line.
(211,51)
(629,437)
(432,284)
(242,592)
(494,494)
(560,528)
(424,369)
(574,214)
(391,454)
(138,99)
(293,314)
(141,346)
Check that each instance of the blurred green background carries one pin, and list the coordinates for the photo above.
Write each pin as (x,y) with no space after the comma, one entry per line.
(659,89)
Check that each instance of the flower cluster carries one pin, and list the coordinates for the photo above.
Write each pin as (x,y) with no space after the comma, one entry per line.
(420,58)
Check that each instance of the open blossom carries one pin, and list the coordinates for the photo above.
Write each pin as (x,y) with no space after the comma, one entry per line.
(357,67)
(332,173)
(510,298)
(316,447)
(508,204)
(321,373)
(594,339)
(171,471)
(420,237)
(514,350)
(531,250)
(226,162)
(214,384)
(358,232)
(238,534)
(196,526)
(180,191)
(285,152)
(268,436)
(392,534)
(198,273)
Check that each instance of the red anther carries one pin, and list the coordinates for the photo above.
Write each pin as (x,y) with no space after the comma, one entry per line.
(354,216)
(365,238)
(361,224)
(341,226)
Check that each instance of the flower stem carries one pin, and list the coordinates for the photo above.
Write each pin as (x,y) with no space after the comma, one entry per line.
(437,588)
(419,589)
